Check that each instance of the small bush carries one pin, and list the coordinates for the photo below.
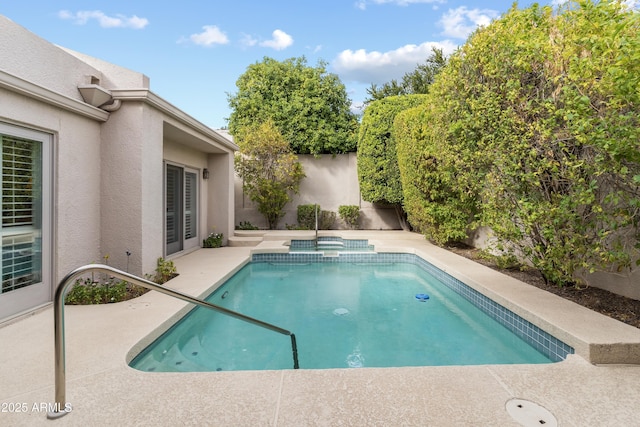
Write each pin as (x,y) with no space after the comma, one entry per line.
(107,290)
(294,227)
(350,215)
(86,291)
(246,225)
(326,220)
(307,217)
(214,240)
(165,271)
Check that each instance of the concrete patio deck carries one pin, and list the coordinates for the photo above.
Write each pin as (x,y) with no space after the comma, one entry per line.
(104,390)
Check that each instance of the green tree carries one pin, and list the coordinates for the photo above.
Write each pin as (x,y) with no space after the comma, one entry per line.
(538,115)
(307,104)
(415,82)
(270,171)
(378,172)
(438,203)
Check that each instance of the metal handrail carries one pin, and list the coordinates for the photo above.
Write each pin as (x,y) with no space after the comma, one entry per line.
(58,313)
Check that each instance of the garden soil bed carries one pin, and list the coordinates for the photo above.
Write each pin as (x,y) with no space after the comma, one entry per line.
(624,309)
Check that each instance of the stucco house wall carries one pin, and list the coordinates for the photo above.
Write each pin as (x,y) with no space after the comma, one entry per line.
(221,195)
(33,72)
(108,163)
(77,173)
(131,183)
(37,61)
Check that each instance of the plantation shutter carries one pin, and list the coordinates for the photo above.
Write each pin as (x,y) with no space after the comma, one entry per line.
(190,205)
(171,225)
(18,158)
(21,211)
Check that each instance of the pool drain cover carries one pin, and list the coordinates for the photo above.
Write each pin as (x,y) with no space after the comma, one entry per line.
(340,311)
(529,414)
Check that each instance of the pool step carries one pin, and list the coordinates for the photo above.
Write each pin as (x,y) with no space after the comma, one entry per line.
(330,254)
(322,247)
(330,243)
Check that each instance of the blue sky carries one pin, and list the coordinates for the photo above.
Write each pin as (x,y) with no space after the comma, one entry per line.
(194,51)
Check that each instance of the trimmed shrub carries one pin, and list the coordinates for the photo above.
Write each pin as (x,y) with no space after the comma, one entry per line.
(307,216)
(350,215)
(533,130)
(378,172)
(326,220)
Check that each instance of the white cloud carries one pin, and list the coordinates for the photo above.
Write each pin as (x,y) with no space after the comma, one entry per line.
(280,40)
(117,21)
(209,36)
(362,4)
(248,41)
(357,108)
(380,67)
(461,22)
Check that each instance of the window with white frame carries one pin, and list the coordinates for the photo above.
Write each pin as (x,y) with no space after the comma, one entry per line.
(22,210)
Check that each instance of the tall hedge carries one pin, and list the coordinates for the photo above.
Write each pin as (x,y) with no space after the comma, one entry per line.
(378,172)
(537,116)
(437,205)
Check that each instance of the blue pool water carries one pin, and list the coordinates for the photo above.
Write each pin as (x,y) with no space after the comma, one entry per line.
(343,315)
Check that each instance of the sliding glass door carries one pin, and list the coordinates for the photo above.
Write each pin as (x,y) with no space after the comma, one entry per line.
(26,219)
(174,209)
(181,203)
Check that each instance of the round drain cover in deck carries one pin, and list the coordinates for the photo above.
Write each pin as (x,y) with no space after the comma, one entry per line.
(529,414)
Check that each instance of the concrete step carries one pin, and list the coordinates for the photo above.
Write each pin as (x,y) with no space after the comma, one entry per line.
(249,233)
(245,241)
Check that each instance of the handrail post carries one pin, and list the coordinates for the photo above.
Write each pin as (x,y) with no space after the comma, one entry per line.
(294,349)
(316,206)
(61,406)
(59,363)
(59,347)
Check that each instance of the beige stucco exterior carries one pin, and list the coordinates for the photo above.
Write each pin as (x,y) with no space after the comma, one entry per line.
(108,163)
(331,181)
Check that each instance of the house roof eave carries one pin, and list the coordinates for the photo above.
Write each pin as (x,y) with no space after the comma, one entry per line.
(31,90)
(148,97)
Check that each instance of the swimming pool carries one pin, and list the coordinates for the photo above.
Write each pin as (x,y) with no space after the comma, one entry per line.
(357,310)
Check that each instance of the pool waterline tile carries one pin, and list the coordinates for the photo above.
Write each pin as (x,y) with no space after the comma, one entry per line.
(331,243)
(553,348)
